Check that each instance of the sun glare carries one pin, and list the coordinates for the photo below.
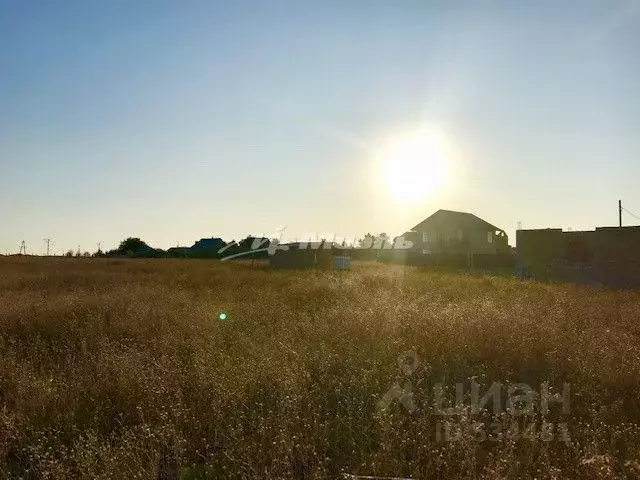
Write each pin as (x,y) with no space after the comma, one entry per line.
(415,164)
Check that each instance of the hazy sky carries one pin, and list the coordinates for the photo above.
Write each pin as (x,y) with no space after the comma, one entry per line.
(176,120)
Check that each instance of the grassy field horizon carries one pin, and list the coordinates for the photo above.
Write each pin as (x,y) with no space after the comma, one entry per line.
(123,368)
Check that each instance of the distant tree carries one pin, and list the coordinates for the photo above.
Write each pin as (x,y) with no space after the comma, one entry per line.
(86,254)
(69,253)
(134,247)
(381,240)
(158,253)
(132,244)
(367,241)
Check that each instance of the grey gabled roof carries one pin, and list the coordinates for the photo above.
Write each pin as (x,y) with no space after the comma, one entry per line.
(208,243)
(458,217)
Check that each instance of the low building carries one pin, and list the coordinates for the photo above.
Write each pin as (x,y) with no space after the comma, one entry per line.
(301,258)
(606,255)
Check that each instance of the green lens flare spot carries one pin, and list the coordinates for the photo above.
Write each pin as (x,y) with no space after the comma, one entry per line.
(222,316)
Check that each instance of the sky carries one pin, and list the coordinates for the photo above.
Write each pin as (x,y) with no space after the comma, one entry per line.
(172,121)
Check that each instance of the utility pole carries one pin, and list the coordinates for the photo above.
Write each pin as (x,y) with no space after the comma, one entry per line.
(23,248)
(620,213)
(47,241)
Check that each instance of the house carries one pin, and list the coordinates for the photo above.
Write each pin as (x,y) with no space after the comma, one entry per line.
(203,248)
(213,243)
(606,255)
(450,232)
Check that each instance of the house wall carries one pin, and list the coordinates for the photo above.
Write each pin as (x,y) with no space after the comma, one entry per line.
(293,259)
(539,251)
(479,261)
(610,256)
(301,259)
(617,256)
(456,239)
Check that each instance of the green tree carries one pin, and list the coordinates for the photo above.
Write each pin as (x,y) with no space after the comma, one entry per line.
(367,241)
(382,240)
(132,244)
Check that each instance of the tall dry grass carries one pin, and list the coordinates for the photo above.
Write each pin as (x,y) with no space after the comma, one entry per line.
(122,369)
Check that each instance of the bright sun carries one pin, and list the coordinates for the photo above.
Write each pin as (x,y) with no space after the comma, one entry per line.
(415,164)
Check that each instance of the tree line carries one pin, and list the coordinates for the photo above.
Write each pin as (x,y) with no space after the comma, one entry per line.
(249,247)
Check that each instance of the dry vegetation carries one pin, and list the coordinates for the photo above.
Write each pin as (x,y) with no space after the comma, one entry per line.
(122,369)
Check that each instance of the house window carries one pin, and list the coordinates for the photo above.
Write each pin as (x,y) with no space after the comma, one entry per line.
(425,237)
(489,237)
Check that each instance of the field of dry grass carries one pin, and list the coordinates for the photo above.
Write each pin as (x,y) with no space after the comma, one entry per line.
(122,369)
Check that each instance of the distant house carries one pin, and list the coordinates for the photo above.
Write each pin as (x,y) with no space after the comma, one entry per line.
(214,243)
(203,248)
(449,232)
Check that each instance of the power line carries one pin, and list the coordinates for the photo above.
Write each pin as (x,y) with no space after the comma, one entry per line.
(621,209)
(47,241)
(631,213)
